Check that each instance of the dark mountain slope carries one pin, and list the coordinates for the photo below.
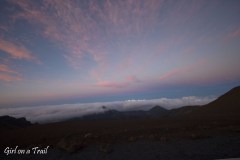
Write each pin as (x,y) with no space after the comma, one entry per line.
(156,111)
(226,105)
(7,122)
(182,111)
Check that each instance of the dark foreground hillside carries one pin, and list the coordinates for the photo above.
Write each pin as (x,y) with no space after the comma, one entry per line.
(209,135)
(7,122)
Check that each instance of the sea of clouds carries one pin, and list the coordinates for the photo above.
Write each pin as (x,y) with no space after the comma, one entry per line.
(54,113)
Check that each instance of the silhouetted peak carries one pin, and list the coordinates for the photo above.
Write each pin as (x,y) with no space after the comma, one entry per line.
(104,107)
(227,104)
(157,109)
(235,90)
(11,122)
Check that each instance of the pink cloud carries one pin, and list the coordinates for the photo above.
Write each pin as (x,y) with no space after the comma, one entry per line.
(231,35)
(9,78)
(129,80)
(80,31)
(235,33)
(68,25)
(81,34)
(14,50)
(132,79)
(5,68)
(8,75)
(170,74)
(182,70)
(112,84)
(4,28)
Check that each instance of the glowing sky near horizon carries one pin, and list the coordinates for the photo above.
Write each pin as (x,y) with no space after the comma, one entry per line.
(69,51)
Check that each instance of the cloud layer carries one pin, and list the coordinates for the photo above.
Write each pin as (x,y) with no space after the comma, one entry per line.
(53,113)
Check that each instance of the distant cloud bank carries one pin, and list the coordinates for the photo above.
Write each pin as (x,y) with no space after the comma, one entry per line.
(54,113)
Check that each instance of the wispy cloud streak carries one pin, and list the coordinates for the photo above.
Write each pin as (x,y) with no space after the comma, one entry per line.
(9,78)
(234,34)
(5,68)
(8,75)
(88,29)
(15,50)
(128,81)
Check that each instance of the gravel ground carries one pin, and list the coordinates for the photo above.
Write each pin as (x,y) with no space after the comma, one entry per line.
(209,148)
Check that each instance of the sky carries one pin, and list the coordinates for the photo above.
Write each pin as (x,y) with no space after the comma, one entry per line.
(56,52)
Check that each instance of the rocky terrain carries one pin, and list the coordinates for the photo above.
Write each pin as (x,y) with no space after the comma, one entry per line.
(211,131)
